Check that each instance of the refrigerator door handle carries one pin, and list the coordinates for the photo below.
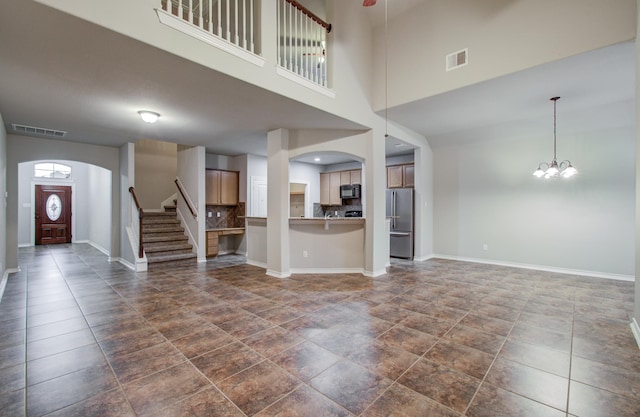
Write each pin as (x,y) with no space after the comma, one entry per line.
(393,209)
(400,234)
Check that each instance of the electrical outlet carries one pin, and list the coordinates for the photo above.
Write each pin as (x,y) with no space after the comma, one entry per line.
(305,254)
(217,214)
(485,247)
(209,214)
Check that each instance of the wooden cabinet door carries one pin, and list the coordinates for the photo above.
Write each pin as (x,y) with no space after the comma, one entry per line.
(407,176)
(229,188)
(334,191)
(345,177)
(212,243)
(325,187)
(356,176)
(394,176)
(212,185)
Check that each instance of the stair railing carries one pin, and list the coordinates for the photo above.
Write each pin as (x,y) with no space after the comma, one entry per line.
(194,213)
(140,216)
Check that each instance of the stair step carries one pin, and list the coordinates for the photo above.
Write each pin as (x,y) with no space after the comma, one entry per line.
(170,209)
(159,221)
(167,246)
(164,237)
(148,214)
(160,258)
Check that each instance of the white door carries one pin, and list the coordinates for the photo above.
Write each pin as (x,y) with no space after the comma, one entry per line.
(258,197)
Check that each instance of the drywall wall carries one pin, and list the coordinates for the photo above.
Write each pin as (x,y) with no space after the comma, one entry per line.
(191,174)
(301,172)
(99,214)
(156,169)
(3,199)
(127,209)
(485,194)
(502,37)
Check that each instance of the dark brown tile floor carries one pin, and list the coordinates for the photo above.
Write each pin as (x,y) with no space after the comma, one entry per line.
(83,337)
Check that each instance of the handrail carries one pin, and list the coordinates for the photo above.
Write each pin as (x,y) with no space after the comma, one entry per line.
(309,13)
(184,197)
(140,216)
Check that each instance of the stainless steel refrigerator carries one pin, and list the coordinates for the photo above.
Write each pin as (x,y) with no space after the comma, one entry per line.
(400,211)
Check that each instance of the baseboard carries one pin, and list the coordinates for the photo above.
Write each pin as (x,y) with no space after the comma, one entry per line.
(375,273)
(24,245)
(567,271)
(3,283)
(276,274)
(5,278)
(423,258)
(636,331)
(257,263)
(327,271)
(100,248)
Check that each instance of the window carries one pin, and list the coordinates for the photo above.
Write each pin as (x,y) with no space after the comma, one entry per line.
(52,170)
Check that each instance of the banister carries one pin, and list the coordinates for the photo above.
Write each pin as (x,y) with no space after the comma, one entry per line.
(140,217)
(309,13)
(186,200)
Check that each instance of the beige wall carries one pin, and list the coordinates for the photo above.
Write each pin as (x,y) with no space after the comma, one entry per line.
(503,36)
(156,165)
(3,199)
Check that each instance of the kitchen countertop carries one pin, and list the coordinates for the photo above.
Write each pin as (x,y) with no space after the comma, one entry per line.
(309,220)
(222,229)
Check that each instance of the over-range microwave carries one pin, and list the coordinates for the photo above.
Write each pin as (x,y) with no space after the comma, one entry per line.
(350,191)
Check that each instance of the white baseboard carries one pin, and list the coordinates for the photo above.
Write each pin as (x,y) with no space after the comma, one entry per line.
(5,278)
(100,248)
(24,245)
(327,271)
(276,274)
(636,331)
(257,263)
(374,274)
(567,271)
(423,258)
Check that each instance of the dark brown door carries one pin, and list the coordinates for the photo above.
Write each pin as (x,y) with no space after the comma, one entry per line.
(53,214)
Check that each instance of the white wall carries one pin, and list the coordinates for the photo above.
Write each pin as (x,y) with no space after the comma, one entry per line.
(310,174)
(127,179)
(99,214)
(503,37)
(156,168)
(191,173)
(485,194)
(3,199)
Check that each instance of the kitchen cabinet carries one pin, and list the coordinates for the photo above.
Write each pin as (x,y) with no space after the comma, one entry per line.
(214,244)
(351,177)
(222,187)
(400,176)
(330,188)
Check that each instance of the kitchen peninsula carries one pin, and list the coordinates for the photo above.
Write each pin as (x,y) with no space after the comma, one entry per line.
(316,244)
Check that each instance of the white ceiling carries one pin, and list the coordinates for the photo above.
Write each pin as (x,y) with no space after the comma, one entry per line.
(60,72)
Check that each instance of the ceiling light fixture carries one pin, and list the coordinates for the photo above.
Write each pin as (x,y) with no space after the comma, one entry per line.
(149,116)
(555,169)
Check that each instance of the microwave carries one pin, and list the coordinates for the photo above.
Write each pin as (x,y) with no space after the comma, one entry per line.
(350,191)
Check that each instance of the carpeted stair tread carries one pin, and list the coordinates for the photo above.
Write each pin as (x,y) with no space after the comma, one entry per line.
(163,237)
(159,258)
(167,246)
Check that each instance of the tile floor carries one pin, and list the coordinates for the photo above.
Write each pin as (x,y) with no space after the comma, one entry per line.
(82,337)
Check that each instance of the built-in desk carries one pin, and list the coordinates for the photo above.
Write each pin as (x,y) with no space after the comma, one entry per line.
(213,238)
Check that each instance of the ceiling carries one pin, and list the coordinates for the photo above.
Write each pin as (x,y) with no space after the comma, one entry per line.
(87,87)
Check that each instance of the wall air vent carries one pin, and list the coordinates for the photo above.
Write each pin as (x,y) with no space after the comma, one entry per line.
(457,59)
(40,131)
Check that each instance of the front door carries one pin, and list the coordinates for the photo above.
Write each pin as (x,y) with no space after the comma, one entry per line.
(53,214)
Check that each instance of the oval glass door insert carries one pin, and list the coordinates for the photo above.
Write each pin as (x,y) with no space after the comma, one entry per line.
(54,207)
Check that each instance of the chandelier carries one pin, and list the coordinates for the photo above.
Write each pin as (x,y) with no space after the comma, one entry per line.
(555,169)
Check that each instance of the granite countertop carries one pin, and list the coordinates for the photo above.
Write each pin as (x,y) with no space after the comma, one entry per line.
(222,229)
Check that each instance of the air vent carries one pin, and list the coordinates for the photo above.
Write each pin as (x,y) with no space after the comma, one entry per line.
(457,59)
(31,130)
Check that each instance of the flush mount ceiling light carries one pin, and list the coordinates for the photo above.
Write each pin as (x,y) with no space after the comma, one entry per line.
(555,169)
(149,116)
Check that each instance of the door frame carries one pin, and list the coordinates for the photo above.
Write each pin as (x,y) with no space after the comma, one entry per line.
(58,182)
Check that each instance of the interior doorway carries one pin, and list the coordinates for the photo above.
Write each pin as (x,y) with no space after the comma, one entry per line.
(52,214)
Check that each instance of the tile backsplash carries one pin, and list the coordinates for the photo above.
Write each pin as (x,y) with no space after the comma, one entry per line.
(230,216)
(320,210)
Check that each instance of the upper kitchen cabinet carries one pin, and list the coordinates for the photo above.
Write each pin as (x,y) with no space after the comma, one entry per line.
(330,188)
(222,187)
(400,176)
(351,177)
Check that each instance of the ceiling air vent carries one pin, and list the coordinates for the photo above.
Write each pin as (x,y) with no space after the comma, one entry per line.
(457,59)
(31,130)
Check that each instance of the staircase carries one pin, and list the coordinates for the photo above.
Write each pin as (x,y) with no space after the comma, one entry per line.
(164,239)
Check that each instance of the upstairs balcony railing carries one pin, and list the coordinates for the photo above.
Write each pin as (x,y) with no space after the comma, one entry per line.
(302,35)
(302,41)
(231,20)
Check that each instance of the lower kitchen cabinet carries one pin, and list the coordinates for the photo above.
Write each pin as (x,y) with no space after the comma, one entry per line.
(212,243)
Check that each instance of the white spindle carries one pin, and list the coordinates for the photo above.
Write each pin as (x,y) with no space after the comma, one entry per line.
(291,63)
(219,19)
(251,46)
(295,33)
(210,26)
(227,19)
(244,24)
(191,11)
(180,11)
(200,14)
(236,20)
